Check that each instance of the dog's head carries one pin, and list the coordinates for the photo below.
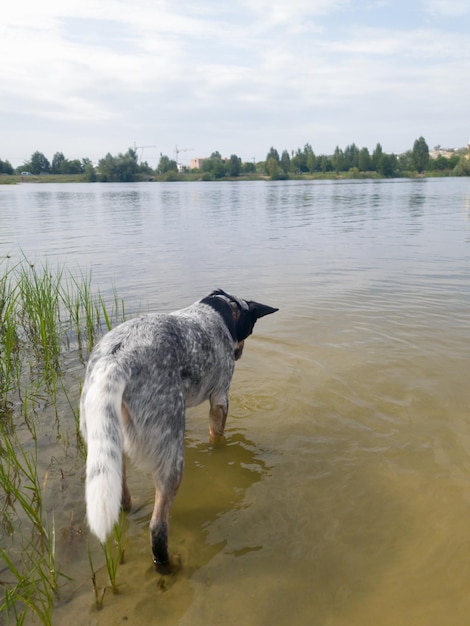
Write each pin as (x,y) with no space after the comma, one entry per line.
(239,315)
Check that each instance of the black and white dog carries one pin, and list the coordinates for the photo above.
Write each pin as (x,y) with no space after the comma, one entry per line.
(140,378)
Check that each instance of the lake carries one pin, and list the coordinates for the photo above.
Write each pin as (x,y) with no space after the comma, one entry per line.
(342,494)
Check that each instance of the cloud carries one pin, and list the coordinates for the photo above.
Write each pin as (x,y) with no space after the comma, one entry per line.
(243,73)
(274,12)
(448,8)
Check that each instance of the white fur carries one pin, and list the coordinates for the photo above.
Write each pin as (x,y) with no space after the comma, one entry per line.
(104,458)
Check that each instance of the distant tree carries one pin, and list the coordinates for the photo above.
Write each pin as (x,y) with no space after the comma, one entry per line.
(166,165)
(144,169)
(127,166)
(38,164)
(106,168)
(388,165)
(302,159)
(248,167)
(57,160)
(61,165)
(274,169)
(453,160)
(86,161)
(298,162)
(338,160)
(377,156)
(351,157)
(122,168)
(440,163)
(273,154)
(405,162)
(6,167)
(311,160)
(89,173)
(74,166)
(215,165)
(234,165)
(325,164)
(420,155)
(285,162)
(463,166)
(364,160)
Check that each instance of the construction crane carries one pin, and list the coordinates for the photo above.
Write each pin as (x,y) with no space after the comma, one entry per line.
(142,148)
(178,150)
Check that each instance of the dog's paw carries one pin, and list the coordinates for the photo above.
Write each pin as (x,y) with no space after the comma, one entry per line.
(170,567)
(215,439)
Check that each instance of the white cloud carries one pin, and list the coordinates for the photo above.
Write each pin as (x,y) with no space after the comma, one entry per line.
(449,8)
(421,44)
(236,72)
(275,11)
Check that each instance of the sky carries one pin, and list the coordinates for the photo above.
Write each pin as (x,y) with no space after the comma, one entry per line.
(86,78)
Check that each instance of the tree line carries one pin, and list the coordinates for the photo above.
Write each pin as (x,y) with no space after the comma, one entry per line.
(357,161)
(125,167)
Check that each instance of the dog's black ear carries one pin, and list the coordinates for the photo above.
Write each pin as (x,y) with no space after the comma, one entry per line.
(247,319)
(260,310)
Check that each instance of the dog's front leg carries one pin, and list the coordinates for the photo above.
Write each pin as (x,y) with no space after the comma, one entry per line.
(217,417)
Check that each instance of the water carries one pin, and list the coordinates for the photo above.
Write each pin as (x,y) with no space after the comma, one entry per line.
(343,493)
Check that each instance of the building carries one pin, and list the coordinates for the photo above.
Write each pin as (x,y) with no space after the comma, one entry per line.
(196,164)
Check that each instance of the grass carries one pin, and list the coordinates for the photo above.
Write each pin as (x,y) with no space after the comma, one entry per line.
(39,296)
(113,551)
(45,315)
(33,577)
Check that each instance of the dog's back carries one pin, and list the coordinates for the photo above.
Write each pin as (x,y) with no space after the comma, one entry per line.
(190,349)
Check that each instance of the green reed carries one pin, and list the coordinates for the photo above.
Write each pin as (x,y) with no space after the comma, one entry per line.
(114,551)
(32,582)
(40,315)
(44,316)
(99,595)
(83,309)
(9,361)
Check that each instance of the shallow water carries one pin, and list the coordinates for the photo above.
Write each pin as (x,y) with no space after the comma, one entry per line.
(342,495)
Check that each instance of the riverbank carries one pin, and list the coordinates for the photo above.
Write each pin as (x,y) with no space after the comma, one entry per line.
(14,179)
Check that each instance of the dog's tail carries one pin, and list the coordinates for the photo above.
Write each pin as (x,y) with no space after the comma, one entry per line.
(100,417)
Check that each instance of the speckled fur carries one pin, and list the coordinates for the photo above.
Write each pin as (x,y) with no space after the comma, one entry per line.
(140,378)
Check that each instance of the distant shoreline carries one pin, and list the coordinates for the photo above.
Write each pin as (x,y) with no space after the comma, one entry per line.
(197,177)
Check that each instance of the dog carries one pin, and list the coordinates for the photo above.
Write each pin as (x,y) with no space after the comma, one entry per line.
(140,378)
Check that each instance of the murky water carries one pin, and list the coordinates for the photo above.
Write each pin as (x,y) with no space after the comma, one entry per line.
(342,495)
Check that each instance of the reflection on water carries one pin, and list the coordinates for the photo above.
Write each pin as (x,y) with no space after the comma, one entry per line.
(342,495)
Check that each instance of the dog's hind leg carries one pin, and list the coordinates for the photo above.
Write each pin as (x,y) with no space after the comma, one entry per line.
(126,494)
(127,423)
(167,475)
(164,496)
(159,530)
